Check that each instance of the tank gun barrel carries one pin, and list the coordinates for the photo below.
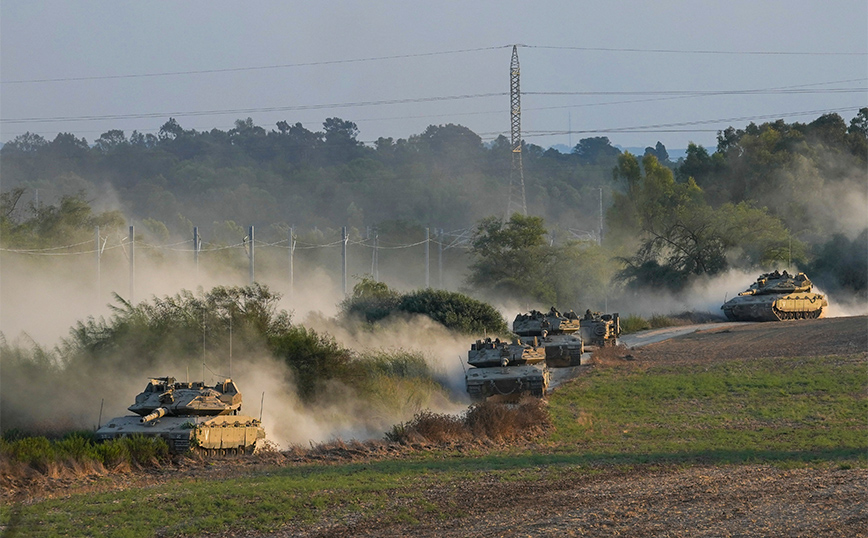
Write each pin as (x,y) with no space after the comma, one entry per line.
(158,412)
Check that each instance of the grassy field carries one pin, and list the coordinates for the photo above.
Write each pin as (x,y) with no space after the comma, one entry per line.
(788,412)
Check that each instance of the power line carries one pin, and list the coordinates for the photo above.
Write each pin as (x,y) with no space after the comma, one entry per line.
(422,55)
(181,114)
(253,68)
(669,127)
(688,51)
(666,94)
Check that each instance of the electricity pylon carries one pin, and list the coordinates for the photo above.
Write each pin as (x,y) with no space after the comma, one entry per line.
(517,200)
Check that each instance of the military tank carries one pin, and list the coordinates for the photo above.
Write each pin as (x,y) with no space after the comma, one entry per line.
(776,296)
(505,369)
(189,416)
(558,334)
(600,330)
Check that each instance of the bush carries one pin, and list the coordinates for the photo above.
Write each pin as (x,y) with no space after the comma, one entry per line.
(455,311)
(373,301)
(504,423)
(633,323)
(145,450)
(483,421)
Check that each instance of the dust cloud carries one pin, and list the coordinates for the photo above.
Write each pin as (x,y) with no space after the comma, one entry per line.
(44,297)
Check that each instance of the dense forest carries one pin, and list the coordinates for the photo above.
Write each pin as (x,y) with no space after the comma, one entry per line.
(774,194)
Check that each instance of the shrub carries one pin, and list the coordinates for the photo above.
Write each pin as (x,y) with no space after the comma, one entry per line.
(455,311)
(633,323)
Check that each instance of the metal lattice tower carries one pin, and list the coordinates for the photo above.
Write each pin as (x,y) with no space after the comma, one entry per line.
(517,200)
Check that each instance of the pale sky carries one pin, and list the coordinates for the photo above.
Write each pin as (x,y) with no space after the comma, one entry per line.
(677,70)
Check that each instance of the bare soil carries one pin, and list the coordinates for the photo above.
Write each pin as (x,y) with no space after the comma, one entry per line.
(649,500)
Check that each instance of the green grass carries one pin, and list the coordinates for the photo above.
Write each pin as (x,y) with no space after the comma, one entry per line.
(757,409)
(787,412)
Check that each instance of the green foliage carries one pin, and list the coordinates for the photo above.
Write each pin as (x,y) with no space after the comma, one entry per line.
(76,448)
(70,221)
(374,301)
(514,260)
(175,326)
(681,235)
(510,257)
(455,311)
(370,300)
(313,358)
(634,323)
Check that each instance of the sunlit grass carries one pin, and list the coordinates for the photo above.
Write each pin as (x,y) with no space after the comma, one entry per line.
(787,412)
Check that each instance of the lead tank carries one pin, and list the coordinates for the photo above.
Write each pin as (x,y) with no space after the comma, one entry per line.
(774,297)
(189,416)
(505,369)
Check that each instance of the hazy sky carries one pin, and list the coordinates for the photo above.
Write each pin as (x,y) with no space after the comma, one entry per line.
(395,67)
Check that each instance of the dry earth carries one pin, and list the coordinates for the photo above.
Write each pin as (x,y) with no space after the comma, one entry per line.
(652,500)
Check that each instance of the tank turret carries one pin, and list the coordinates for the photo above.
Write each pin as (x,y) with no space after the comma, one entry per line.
(776,296)
(189,416)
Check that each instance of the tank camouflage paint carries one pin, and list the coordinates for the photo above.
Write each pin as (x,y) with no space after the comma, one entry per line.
(600,330)
(189,416)
(505,369)
(558,334)
(774,297)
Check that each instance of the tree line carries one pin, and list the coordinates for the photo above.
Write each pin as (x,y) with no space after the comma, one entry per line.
(768,195)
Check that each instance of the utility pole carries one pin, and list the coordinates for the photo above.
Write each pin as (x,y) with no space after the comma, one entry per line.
(132,264)
(427,258)
(375,262)
(517,201)
(344,240)
(291,261)
(98,271)
(250,253)
(440,257)
(600,242)
(196,246)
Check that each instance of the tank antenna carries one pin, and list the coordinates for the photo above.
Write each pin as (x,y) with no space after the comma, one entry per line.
(99,422)
(461,362)
(230,345)
(261,404)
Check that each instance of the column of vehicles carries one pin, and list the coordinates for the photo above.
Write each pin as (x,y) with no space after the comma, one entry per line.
(191,416)
(506,369)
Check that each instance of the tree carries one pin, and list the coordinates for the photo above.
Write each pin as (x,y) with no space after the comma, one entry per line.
(28,143)
(658,151)
(681,236)
(339,140)
(110,141)
(509,257)
(595,150)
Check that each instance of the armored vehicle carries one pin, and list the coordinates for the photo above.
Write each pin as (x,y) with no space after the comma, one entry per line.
(600,329)
(189,416)
(505,369)
(776,296)
(558,334)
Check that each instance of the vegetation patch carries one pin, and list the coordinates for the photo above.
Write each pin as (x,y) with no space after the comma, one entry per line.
(758,409)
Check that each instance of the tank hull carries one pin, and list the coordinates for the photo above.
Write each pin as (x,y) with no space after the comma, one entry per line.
(483,383)
(775,307)
(223,434)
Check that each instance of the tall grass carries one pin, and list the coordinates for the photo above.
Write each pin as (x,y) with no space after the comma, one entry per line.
(79,450)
